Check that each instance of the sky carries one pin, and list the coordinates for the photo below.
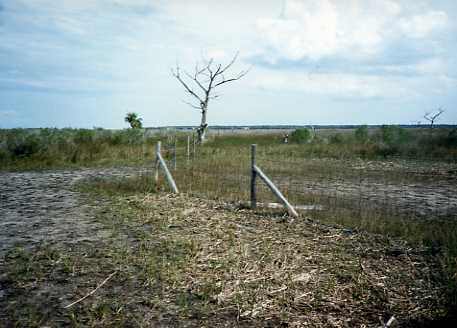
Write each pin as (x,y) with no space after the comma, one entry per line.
(86,63)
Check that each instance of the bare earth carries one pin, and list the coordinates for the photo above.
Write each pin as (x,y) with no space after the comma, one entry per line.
(37,207)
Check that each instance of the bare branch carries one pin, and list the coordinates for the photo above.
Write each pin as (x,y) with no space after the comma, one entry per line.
(231,62)
(208,67)
(432,117)
(188,89)
(239,76)
(191,105)
(195,79)
(199,71)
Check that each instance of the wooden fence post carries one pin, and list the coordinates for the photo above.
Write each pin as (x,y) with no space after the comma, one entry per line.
(195,145)
(188,149)
(157,166)
(253,177)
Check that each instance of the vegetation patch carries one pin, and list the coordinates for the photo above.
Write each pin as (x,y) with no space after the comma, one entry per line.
(184,261)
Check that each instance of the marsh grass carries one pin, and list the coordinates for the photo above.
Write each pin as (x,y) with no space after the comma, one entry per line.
(24,149)
(202,264)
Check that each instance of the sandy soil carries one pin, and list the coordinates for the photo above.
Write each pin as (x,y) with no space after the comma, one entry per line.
(427,200)
(37,207)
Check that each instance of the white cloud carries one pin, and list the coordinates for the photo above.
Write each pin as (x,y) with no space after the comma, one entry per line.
(420,26)
(339,85)
(315,29)
(305,30)
(432,66)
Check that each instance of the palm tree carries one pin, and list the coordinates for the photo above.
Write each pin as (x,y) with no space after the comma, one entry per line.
(134,121)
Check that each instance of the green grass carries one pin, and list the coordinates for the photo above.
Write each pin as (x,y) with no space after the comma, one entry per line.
(22,149)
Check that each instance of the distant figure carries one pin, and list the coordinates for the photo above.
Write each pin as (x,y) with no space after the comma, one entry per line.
(286,138)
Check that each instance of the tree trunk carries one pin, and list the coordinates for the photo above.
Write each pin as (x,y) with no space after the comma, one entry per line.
(201,131)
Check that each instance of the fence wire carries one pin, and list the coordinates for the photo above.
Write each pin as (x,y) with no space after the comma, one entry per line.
(386,188)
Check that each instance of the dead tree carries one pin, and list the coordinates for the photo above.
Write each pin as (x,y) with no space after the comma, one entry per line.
(431,117)
(201,85)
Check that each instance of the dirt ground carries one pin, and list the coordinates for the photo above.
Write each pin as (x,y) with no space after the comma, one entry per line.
(179,261)
(434,199)
(43,207)
(417,189)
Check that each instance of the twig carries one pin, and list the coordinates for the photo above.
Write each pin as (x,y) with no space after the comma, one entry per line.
(389,322)
(82,299)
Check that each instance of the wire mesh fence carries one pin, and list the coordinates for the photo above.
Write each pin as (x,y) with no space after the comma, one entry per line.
(395,189)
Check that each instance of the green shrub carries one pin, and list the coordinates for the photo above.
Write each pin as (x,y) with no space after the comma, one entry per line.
(393,135)
(300,136)
(3,155)
(133,136)
(449,140)
(83,136)
(336,138)
(24,145)
(361,134)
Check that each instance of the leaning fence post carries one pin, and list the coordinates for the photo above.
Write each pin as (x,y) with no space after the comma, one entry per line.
(276,191)
(161,162)
(168,175)
(253,176)
(156,175)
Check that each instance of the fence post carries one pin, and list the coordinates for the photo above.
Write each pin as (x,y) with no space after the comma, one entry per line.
(188,149)
(168,175)
(174,155)
(160,162)
(195,145)
(253,176)
(276,191)
(156,175)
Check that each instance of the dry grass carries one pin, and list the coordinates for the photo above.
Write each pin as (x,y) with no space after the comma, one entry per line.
(269,269)
(187,262)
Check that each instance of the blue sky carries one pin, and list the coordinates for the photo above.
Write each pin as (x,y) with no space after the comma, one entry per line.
(86,63)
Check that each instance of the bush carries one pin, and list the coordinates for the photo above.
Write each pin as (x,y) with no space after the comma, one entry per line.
(393,135)
(361,134)
(336,139)
(449,140)
(3,155)
(24,145)
(300,136)
(84,136)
